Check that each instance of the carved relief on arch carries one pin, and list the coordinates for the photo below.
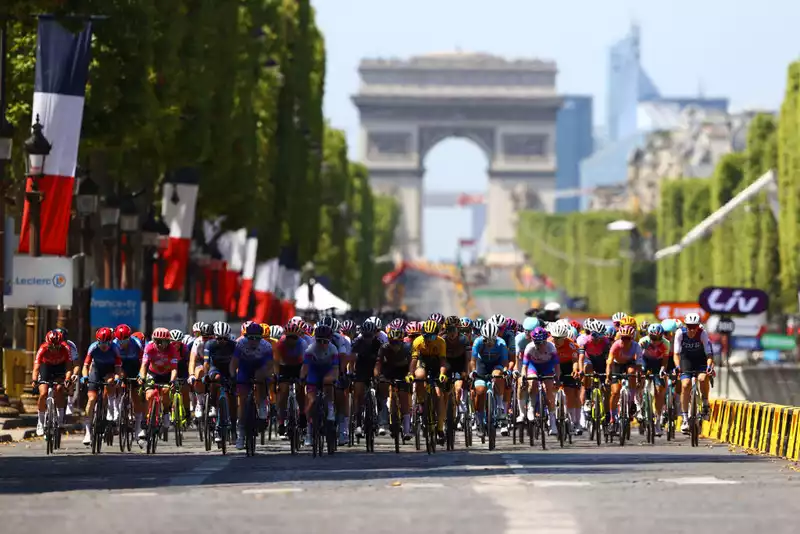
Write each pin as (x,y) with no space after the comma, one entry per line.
(391,146)
(525,197)
(430,136)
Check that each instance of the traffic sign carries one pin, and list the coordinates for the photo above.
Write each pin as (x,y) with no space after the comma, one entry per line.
(725,325)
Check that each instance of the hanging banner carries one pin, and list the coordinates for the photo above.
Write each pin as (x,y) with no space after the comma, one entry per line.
(44,281)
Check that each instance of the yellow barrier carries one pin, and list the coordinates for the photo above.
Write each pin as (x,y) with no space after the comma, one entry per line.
(768,428)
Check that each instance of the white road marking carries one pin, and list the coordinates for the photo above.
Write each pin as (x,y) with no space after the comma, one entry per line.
(688,481)
(560,483)
(199,474)
(418,485)
(261,491)
(136,494)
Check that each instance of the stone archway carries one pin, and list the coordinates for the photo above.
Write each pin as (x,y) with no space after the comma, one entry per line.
(508,108)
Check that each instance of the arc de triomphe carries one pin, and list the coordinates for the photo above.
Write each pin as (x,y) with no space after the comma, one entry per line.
(508,108)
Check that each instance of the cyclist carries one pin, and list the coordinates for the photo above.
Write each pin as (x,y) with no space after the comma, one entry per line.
(593,347)
(428,353)
(644,327)
(624,357)
(466,329)
(71,390)
(489,362)
(457,365)
(693,354)
(348,329)
(521,341)
(130,350)
(216,353)
(51,365)
(289,353)
(160,369)
(413,330)
(540,358)
(204,332)
(344,346)
(184,353)
(365,353)
(251,360)
(381,335)
(103,363)
(569,370)
(394,363)
(320,369)
(656,351)
(617,318)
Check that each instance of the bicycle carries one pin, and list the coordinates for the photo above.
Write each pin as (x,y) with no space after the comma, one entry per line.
(541,418)
(178,412)
(599,417)
(671,410)
(648,410)
(293,417)
(99,426)
(322,431)
(625,400)
(451,413)
(252,428)
(370,415)
(155,417)
(490,409)
(469,415)
(563,421)
(395,416)
(429,409)
(695,400)
(126,421)
(52,429)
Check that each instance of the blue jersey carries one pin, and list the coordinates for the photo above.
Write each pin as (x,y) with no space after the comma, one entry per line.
(319,355)
(248,351)
(107,357)
(218,352)
(508,337)
(133,350)
(521,341)
(497,354)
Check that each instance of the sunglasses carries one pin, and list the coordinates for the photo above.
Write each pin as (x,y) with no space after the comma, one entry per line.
(323,341)
(253,338)
(103,344)
(430,337)
(162,342)
(692,326)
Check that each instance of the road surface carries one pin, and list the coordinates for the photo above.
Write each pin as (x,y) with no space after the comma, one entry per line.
(583,488)
(510,306)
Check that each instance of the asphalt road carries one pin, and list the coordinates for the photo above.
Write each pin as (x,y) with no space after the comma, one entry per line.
(581,488)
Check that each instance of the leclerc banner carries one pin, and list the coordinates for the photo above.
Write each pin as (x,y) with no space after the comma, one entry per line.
(678,310)
(112,307)
(43,281)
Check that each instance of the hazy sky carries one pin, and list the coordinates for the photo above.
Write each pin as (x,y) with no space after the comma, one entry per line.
(739,49)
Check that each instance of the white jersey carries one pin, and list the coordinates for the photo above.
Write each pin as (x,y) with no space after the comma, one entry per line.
(342,343)
(382,337)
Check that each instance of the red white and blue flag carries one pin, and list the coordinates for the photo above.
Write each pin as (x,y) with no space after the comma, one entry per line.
(178,206)
(62,67)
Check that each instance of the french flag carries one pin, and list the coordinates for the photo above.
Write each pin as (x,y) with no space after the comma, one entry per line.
(233,247)
(248,273)
(265,282)
(62,67)
(178,206)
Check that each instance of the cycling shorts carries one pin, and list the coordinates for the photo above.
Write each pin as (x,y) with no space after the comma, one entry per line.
(316,373)
(541,369)
(566,375)
(158,380)
(49,372)
(288,373)
(248,369)
(99,373)
(131,367)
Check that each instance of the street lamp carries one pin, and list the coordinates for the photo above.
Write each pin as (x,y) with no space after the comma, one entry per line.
(87,201)
(110,212)
(6,139)
(37,147)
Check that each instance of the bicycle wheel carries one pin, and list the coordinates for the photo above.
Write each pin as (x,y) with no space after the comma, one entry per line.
(490,422)
(122,422)
(450,422)
(369,421)
(98,418)
(223,422)
(514,413)
(292,432)
(209,427)
(669,410)
(693,418)
(177,409)
(152,427)
(430,438)
(561,423)
(49,435)
(319,430)
(250,431)
(624,403)
(468,418)
(395,419)
(597,407)
(416,422)
(543,418)
(351,430)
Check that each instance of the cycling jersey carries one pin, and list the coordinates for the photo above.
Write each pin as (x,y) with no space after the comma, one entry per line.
(456,348)
(593,346)
(631,356)
(342,343)
(366,353)
(218,354)
(160,362)
(653,350)
(130,351)
(198,345)
(395,356)
(289,353)
(489,356)
(382,336)
(109,357)
(45,356)
(321,356)
(694,352)
(250,352)
(509,337)
(421,348)
(567,351)
(544,353)
(521,341)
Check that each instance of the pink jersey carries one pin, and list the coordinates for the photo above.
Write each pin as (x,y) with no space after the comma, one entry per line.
(160,362)
(631,356)
(593,347)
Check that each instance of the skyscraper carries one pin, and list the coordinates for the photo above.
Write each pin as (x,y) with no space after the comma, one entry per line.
(574,142)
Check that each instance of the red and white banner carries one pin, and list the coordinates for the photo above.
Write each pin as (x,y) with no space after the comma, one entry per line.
(232,246)
(248,274)
(265,280)
(179,202)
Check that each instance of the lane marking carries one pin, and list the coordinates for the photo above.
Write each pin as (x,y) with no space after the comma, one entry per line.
(560,483)
(199,474)
(136,494)
(688,481)
(418,485)
(261,491)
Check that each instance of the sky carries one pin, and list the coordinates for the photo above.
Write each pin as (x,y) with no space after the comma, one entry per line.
(736,49)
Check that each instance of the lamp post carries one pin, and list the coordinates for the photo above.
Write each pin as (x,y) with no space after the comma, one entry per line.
(87,202)
(152,231)
(6,139)
(37,148)
(128,225)
(109,220)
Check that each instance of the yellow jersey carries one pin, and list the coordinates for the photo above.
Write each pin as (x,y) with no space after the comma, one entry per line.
(428,349)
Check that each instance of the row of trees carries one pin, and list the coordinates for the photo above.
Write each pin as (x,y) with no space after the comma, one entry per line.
(234,88)
(749,249)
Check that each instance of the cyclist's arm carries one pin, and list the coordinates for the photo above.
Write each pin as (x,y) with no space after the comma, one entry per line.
(442,357)
(610,361)
(37,361)
(677,348)
(706,342)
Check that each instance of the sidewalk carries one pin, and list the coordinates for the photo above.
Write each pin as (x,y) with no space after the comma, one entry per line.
(24,427)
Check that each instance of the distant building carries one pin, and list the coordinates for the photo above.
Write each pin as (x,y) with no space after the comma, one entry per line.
(574,143)
(635,108)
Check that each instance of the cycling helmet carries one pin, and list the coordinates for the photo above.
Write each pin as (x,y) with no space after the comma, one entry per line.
(296,319)
(54,337)
(539,335)
(327,321)
(276,331)
(104,335)
(122,332)
(655,330)
(244,327)
(369,327)
(477,325)
(293,329)
(679,323)
(628,321)
(348,326)
(206,330)
(377,321)
(452,321)
(560,330)
(692,319)
(63,331)
(466,324)
(575,324)
(197,327)
(530,324)
(489,330)
(161,334)
(323,332)
(430,327)
(413,328)
(499,319)
(253,329)
(176,335)
(573,333)
(617,317)
(611,332)
(511,324)
(627,330)
(397,324)
(552,307)
(186,339)
(221,329)
(595,326)
(139,336)
(395,334)
(644,326)
(669,325)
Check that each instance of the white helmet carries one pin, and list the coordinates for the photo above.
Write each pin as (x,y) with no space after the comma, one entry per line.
(498,319)
(691,319)
(619,316)
(376,320)
(489,330)
(221,329)
(552,307)
(561,330)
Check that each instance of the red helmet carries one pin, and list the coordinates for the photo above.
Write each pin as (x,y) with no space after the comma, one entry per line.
(576,325)
(54,337)
(161,334)
(123,332)
(139,336)
(104,335)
